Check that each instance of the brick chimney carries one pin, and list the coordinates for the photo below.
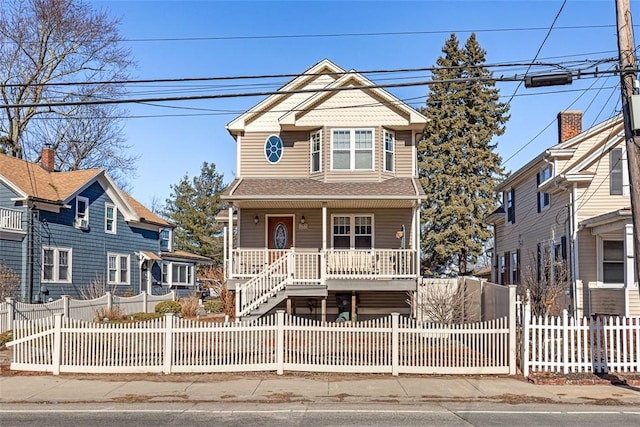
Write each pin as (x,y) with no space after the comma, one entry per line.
(569,125)
(47,158)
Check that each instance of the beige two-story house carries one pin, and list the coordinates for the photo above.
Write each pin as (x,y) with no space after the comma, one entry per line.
(325,204)
(572,203)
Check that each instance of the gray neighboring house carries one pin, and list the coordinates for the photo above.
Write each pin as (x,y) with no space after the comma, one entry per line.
(60,231)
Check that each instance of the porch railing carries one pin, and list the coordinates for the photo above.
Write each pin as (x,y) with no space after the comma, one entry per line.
(11,219)
(311,266)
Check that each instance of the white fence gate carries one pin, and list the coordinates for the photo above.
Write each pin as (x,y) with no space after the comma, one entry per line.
(565,344)
(275,343)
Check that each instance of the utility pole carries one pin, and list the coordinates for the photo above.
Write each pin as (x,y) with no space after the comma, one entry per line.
(628,79)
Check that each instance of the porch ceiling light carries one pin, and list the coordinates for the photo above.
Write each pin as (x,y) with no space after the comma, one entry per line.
(256,219)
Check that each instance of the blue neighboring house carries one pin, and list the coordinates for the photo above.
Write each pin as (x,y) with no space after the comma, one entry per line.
(59,231)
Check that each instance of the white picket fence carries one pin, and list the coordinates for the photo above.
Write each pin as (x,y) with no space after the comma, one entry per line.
(278,342)
(564,344)
(12,310)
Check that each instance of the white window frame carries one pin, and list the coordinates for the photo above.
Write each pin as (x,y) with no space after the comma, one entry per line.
(513,264)
(56,265)
(317,134)
(509,199)
(188,271)
(600,259)
(82,216)
(114,220)
(170,239)
(352,149)
(352,230)
(118,270)
(624,170)
(544,198)
(387,133)
(165,273)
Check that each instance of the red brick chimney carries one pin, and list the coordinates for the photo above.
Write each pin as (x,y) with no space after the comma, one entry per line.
(47,158)
(569,125)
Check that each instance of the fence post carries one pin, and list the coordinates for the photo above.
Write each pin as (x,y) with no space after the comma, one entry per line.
(168,343)
(512,330)
(10,314)
(395,351)
(565,341)
(280,342)
(65,305)
(525,339)
(144,301)
(109,300)
(57,343)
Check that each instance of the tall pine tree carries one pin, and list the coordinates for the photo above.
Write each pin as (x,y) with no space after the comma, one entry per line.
(458,166)
(193,206)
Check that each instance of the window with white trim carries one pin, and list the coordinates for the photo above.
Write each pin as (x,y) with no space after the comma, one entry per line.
(110,216)
(612,261)
(56,265)
(616,172)
(352,149)
(165,239)
(181,274)
(352,231)
(515,267)
(316,151)
(82,212)
(165,273)
(118,269)
(544,199)
(510,197)
(389,150)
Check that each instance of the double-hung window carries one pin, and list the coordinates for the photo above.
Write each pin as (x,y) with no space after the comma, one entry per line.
(316,151)
(82,212)
(352,149)
(118,269)
(181,274)
(544,199)
(511,206)
(352,231)
(612,261)
(165,240)
(165,273)
(616,172)
(389,150)
(56,265)
(110,216)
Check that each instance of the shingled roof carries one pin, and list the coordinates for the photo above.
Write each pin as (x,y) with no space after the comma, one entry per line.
(35,182)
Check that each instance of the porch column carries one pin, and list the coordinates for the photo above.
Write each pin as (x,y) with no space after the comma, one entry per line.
(230,241)
(324,309)
(630,281)
(323,254)
(416,236)
(324,227)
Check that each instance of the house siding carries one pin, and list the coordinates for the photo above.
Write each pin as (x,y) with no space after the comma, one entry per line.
(634,302)
(90,247)
(13,252)
(607,301)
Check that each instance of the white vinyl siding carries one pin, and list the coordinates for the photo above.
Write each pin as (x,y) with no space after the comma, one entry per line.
(56,265)
(118,266)
(352,149)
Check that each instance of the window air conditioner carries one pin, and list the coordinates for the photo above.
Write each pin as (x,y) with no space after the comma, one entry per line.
(82,223)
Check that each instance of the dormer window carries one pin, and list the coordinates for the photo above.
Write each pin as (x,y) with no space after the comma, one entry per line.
(82,212)
(165,240)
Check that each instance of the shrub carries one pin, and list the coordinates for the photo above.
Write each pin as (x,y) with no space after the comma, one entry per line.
(143,317)
(214,306)
(190,306)
(113,313)
(165,307)
(5,337)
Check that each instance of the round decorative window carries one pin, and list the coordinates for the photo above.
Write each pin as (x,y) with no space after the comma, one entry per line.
(280,236)
(273,149)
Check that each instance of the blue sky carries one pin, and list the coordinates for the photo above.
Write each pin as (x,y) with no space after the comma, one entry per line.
(236,38)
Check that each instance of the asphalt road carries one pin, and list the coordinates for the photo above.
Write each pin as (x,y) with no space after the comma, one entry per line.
(297,414)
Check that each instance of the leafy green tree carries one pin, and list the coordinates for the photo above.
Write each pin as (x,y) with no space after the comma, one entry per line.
(458,166)
(192,206)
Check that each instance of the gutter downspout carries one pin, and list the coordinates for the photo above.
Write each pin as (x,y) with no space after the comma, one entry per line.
(575,273)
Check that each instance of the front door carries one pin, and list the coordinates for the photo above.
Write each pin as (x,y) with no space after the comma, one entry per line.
(280,232)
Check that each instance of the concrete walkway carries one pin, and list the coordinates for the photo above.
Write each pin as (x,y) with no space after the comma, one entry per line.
(268,388)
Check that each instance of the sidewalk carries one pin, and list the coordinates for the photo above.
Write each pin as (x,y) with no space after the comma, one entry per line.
(270,388)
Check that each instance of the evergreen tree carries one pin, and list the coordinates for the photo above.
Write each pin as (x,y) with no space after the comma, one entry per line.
(458,166)
(192,206)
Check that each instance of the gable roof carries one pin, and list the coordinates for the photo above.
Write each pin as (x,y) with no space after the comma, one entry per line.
(611,131)
(31,181)
(313,90)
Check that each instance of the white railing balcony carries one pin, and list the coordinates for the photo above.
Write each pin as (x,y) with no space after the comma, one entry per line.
(11,219)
